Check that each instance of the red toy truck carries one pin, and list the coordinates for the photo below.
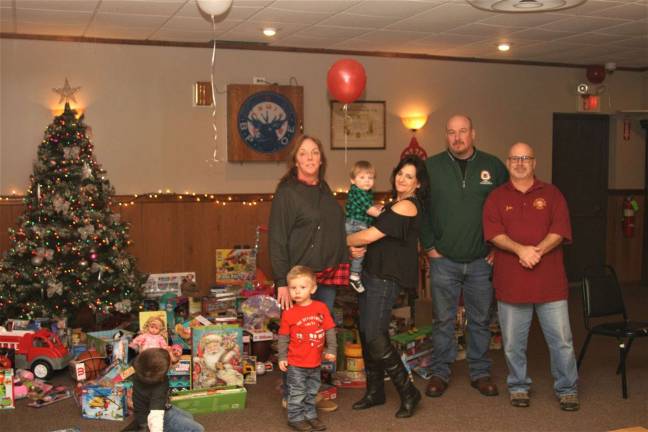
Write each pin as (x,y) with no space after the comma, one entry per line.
(40,350)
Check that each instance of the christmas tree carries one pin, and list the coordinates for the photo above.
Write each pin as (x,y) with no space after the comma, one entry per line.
(70,249)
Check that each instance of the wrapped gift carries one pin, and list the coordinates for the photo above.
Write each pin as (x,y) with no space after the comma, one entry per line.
(7,400)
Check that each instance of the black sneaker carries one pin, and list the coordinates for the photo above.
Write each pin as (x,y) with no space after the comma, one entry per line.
(356,284)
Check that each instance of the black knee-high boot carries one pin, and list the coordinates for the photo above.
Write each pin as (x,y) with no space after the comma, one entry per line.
(374,371)
(381,347)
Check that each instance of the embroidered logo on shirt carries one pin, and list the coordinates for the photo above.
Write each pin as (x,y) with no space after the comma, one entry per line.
(508,208)
(485,178)
(539,203)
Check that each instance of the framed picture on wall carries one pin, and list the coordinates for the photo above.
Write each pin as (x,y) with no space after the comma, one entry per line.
(263,121)
(361,128)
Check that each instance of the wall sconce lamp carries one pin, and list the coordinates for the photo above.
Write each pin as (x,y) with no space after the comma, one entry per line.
(414,123)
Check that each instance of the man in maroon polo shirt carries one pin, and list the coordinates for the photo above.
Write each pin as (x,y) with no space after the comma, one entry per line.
(528,220)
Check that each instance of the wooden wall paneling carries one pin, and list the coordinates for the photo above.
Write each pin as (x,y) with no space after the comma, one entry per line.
(198,250)
(624,254)
(162,237)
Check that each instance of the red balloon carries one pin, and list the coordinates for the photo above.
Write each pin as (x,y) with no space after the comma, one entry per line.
(595,74)
(346,80)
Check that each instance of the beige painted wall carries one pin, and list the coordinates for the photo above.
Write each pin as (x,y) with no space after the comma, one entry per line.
(147,135)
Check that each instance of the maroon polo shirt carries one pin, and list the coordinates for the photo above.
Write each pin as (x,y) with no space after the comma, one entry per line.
(527,218)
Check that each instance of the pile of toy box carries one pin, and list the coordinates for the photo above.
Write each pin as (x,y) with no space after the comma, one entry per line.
(31,345)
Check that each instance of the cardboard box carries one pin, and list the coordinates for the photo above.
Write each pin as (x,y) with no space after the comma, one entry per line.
(99,340)
(7,399)
(211,400)
(235,266)
(159,284)
(104,403)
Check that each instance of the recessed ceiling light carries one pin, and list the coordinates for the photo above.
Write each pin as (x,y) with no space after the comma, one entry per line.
(269,31)
(504,46)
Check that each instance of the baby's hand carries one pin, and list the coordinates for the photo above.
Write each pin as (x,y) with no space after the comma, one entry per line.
(375,210)
(329,357)
(283,365)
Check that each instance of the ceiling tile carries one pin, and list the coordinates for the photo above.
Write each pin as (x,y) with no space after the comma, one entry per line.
(127,20)
(286,16)
(6,14)
(591,6)
(50,29)
(320,31)
(308,42)
(629,11)
(251,32)
(116,32)
(441,18)
(355,20)
(392,9)
(635,42)
(593,38)
(197,24)
(61,5)
(7,27)
(522,20)
(139,7)
(328,6)
(392,36)
(539,34)
(636,28)
(582,24)
(478,29)
(52,16)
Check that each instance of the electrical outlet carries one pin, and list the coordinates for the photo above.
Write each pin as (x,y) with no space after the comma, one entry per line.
(258,80)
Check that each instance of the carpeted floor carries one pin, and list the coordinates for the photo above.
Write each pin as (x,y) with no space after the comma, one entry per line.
(460,409)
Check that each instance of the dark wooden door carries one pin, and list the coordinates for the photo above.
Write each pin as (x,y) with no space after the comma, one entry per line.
(580,171)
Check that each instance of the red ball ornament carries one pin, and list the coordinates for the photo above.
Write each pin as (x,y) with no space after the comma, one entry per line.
(595,74)
(346,80)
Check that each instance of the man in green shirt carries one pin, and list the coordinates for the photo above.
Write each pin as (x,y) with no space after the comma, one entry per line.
(461,177)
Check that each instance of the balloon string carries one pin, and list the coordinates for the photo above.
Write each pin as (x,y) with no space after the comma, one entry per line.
(345,109)
(213,91)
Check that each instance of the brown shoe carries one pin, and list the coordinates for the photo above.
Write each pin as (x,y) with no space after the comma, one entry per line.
(326,405)
(520,399)
(485,386)
(435,387)
(301,426)
(316,424)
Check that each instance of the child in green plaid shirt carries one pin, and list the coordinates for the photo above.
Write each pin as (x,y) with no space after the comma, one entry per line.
(360,211)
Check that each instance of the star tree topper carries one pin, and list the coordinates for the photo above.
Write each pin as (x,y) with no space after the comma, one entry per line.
(66,92)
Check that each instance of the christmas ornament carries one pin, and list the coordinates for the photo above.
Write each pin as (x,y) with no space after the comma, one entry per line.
(66,92)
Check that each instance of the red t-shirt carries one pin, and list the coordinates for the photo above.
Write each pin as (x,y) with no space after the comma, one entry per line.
(527,218)
(306,326)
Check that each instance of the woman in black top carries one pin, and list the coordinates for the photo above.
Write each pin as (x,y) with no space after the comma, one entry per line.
(391,264)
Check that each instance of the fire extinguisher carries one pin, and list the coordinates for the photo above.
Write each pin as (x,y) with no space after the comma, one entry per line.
(630,207)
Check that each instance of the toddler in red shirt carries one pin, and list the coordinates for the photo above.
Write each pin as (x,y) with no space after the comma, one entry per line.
(302,333)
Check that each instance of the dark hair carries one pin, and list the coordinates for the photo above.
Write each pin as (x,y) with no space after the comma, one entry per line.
(151,365)
(292,162)
(423,192)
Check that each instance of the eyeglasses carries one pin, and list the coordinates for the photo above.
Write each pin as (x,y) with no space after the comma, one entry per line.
(521,159)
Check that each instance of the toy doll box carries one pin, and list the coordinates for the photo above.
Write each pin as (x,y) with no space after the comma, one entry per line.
(7,398)
(211,400)
(104,403)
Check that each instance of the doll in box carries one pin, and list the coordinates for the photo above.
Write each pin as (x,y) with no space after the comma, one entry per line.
(153,335)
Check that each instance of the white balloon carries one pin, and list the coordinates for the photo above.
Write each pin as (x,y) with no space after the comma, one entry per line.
(214,8)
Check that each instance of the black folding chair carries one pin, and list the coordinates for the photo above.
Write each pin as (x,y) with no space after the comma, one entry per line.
(602,297)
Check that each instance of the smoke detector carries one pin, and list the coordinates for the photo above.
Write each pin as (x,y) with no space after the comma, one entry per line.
(524,5)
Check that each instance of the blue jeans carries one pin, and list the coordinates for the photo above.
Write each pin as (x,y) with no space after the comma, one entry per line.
(353,226)
(447,279)
(303,385)
(515,320)
(375,304)
(178,420)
